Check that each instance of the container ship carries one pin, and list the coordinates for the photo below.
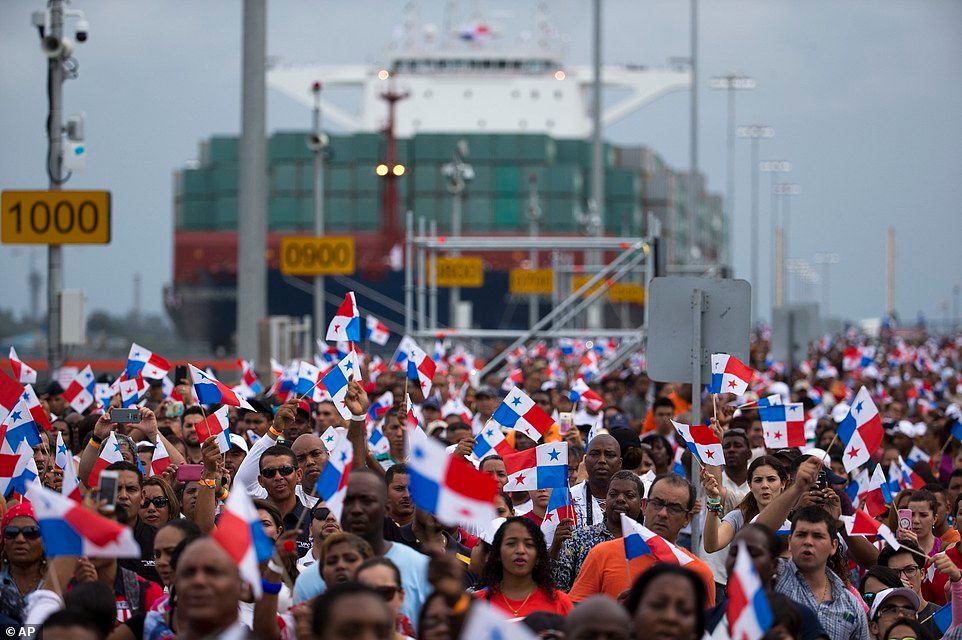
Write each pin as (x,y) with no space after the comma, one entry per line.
(522,115)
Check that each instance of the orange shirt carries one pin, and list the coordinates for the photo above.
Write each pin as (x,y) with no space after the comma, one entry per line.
(951,536)
(681,406)
(605,570)
(538,601)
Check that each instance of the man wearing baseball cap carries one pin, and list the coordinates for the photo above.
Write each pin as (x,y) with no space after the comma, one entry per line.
(891,605)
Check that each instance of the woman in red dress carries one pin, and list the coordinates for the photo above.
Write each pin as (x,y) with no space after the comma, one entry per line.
(517,576)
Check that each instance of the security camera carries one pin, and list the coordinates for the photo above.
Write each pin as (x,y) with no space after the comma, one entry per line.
(83,30)
(39,20)
(317,142)
(52,46)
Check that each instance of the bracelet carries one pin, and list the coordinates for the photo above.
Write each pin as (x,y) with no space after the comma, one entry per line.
(97,441)
(223,495)
(270,588)
(359,418)
(276,568)
(206,482)
(712,501)
(274,432)
(461,605)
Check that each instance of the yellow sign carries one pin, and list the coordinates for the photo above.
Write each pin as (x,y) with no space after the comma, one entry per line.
(305,256)
(616,291)
(460,272)
(531,281)
(55,217)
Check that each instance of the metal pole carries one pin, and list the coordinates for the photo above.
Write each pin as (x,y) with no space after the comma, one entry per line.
(754,229)
(534,213)
(779,268)
(433,291)
(955,308)
(252,222)
(319,315)
(54,172)
(597,213)
(825,289)
(773,261)
(697,310)
(421,283)
(409,274)
(454,292)
(787,252)
(731,178)
(693,134)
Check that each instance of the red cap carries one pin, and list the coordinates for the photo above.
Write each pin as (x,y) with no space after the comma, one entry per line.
(22,509)
(304,405)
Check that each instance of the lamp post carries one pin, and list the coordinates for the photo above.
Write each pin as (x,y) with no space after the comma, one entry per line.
(826,259)
(754,132)
(458,173)
(786,190)
(773,167)
(731,83)
(317,143)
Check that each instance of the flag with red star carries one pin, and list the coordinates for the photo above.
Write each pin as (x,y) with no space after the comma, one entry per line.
(702,442)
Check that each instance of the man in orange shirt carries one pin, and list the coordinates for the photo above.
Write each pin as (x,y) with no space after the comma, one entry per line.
(667,510)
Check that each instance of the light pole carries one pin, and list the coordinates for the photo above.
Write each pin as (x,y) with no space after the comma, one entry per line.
(731,83)
(693,139)
(317,142)
(786,190)
(458,174)
(754,132)
(826,259)
(534,215)
(773,167)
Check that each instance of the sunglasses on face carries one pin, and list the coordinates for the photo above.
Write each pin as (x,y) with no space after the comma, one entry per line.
(321,514)
(159,502)
(673,509)
(387,593)
(29,532)
(285,471)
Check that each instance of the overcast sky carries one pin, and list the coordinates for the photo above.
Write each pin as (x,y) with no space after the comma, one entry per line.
(865,97)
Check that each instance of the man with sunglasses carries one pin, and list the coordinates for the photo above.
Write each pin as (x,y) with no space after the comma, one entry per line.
(130,494)
(280,477)
(666,511)
(322,524)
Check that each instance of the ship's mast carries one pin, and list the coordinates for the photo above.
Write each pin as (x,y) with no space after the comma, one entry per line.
(390,203)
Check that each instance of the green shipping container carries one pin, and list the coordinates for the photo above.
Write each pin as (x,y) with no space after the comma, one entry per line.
(507,212)
(283,178)
(224,178)
(283,213)
(223,149)
(365,179)
(508,180)
(198,212)
(195,182)
(478,214)
(226,211)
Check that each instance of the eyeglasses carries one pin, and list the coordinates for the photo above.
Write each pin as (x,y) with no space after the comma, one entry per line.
(321,514)
(894,610)
(286,470)
(908,571)
(869,597)
(387,592)
(29,532)
(159,502)
(673,509)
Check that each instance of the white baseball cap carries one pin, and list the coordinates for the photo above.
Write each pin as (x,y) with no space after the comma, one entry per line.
(239,442)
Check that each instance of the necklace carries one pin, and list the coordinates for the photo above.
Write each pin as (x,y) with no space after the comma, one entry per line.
(521,606)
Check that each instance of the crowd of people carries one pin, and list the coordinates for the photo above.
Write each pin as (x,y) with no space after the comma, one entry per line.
(389,570)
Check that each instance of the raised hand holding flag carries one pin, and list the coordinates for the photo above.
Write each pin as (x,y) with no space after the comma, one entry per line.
(729,375)
(209,390)
(861,431)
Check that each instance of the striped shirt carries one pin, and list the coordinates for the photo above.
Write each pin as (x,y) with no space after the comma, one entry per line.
(842,616)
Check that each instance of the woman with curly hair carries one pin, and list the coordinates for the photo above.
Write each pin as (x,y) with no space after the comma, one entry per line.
(517,575)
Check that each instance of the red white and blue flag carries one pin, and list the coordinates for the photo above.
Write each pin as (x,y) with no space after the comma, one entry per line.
(377,331)
(209,390)
(336,382)
(331,485)
(10,392)
(702,442)
(160,459)
(862,524)
(109,454)
(729,375)
(491,441)
(873,493)
(69,529)
(70,487)
(217,426)
(19,427)
(455,406)
(18,471)
(400,358)
(21,371)
(560,508)
(381,406)
(486,622)
(240,533)
(308,379)
(907,477)
(131,391)
(448,486)
(861,431)
(30,400)
(783,425)
(249,376)
(519,412)
(641,541)
(62,456)
(749,614)
(146,363)
(79,394)
(581,392)
(346,323)
(421,369)
(543,467)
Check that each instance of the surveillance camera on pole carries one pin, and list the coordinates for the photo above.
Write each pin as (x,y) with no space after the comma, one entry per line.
(75,150)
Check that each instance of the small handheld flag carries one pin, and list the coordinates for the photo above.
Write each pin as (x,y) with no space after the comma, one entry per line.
(641,541)
(560,508)
(211,391)
(217,426)
(22,373)
(68,529)
(346,323)
(143,362)
(749,614)
(861,431)
(729,375)
(377,331)
(80,392)
(331,485)
(519,412)
(240,533)
(702,442)
(543,467)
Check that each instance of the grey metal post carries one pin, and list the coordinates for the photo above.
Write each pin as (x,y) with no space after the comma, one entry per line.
(534,214)
(319,315)
(422,274)
(455,292)
(597,220)
(54,172)
(754,230)
(409,274)
(252,222)
(697,310)
(433,270)
(786,225)
(772,224)
(693,134)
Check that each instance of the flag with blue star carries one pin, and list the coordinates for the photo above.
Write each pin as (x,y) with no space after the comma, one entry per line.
(544,467)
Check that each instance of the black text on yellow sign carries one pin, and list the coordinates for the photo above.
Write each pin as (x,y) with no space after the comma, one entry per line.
(55,217)
(531,281)
(616,291)
(328,256)
(460,272)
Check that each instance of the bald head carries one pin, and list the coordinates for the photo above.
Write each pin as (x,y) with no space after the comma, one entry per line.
(311,456)
(604,440)
(598,617)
